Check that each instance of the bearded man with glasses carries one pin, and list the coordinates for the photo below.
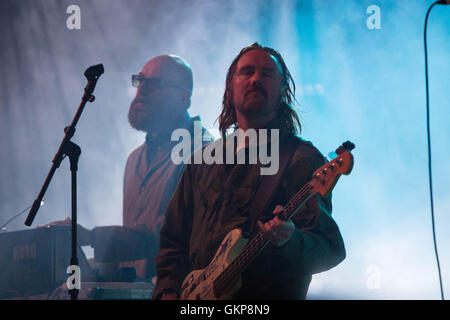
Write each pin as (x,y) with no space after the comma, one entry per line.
(127,253)
(165,86)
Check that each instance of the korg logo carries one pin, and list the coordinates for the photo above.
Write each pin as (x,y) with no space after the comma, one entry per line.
(24,252)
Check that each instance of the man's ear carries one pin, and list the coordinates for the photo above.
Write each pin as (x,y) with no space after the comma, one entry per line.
(181,98)
(187,99)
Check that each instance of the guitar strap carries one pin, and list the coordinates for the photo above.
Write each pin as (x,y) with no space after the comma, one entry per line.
(269,183)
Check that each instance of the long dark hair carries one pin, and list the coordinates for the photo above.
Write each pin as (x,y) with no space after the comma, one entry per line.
(286,110)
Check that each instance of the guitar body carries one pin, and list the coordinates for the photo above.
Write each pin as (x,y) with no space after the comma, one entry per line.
(198,284)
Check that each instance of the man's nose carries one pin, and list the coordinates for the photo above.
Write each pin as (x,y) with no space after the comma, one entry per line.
(143,91)
(139,93)
(256,79)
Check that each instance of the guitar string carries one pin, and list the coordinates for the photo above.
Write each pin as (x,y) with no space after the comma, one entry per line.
(230,272)
(241,260)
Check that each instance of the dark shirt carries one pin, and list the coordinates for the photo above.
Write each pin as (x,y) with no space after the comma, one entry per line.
(212,200)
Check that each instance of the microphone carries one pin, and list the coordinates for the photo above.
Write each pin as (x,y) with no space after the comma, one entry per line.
(94,72)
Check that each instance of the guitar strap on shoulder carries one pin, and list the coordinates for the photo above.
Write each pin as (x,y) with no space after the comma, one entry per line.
(269,184)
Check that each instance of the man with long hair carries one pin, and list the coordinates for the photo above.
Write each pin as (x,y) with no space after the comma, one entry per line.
(212,200)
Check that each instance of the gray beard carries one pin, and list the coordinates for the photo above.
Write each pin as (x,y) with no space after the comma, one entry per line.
(138,121)
(154,122)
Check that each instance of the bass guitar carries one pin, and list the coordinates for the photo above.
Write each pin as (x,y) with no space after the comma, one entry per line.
(221,278)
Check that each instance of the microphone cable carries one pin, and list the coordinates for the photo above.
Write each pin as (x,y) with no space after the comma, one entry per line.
(3,226)
(429,144)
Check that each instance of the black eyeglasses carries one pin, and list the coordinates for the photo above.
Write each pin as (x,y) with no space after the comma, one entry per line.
(138,79)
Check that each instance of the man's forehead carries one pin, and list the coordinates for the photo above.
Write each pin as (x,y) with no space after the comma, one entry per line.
(259,58)
(170,68)
(157,68)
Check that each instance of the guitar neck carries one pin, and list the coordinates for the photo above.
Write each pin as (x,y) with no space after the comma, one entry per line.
(258,242)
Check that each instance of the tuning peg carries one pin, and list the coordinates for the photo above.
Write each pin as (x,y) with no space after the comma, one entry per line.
(318,176)
(348,145)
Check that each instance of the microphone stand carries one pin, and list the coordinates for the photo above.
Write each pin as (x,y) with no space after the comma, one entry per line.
(73,151)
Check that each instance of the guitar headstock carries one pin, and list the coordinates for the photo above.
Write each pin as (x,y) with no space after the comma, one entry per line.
(325,178)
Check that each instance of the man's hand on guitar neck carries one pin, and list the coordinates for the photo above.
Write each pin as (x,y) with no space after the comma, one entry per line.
(277,231)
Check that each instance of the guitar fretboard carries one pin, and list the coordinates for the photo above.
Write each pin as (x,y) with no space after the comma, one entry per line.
(258,242)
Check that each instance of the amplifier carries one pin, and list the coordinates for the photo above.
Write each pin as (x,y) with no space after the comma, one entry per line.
(35,261)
